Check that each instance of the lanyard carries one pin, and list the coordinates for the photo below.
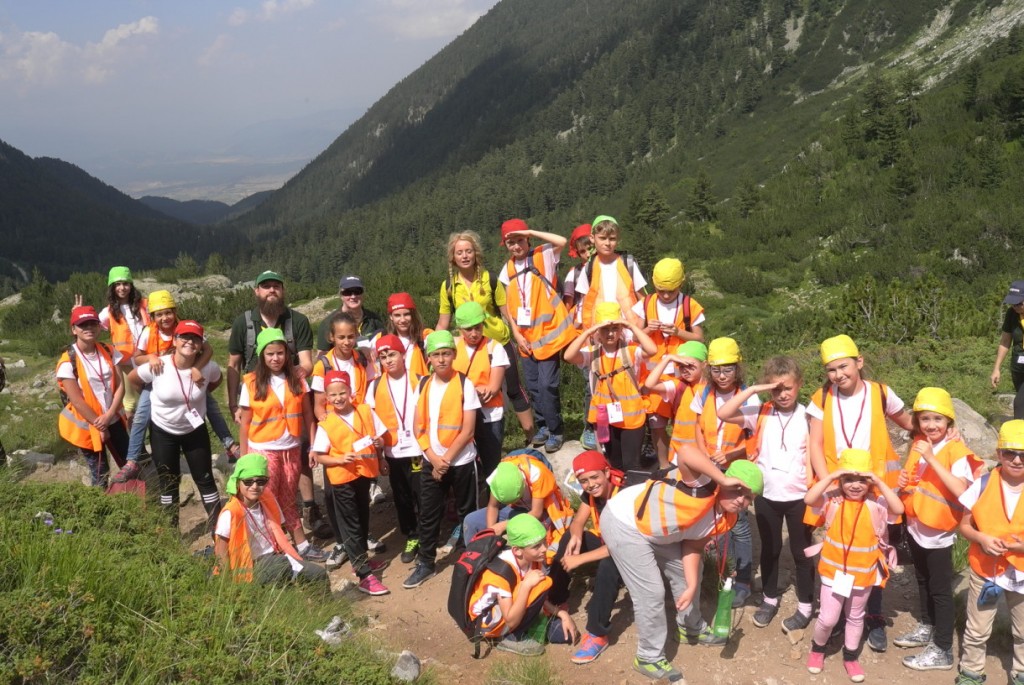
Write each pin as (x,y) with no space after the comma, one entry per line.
(842,526)
(723,548)
(476,349)
(405,399)
(784,426)
(98,369)
(523,279)
(860,415)
(129,320)
(360,433)
(611,372)
(191,385)
(262,531)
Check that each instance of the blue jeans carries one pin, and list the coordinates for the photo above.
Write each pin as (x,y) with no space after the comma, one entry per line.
(542,382)
(216,419)
(140,422)
(477,520)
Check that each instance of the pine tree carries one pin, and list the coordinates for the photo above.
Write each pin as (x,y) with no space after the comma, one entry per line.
(702,201)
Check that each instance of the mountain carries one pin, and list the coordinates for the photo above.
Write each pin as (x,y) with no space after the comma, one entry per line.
(75,178)
(203,212)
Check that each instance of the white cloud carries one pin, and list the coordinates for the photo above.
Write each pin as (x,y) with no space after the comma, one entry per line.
(269,10)
(216,49)
(238,17)
(415,19)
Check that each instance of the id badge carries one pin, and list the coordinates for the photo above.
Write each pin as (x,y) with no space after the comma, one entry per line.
(405,440)
(362,443)
(842,584)
(1020,358)
(194,419)
(614,412)
(524,317)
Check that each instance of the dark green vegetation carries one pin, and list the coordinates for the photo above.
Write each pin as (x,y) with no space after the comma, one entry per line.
(203,212)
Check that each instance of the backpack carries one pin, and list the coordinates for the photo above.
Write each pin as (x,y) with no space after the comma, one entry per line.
(536,454)
(627,260)
(686,310)
(627,366)
(532,269)
(492,279)
(72,358)
(250,339)
(481,554)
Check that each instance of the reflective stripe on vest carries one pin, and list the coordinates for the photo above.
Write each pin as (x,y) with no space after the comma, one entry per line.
(449,419)
(385,409)
(885,463)
(663,340)
(733,434)
(239,550)
(684,424)
(343,437)
(269,417)
(595,293)
(929,500)
(550,328)
(989,516)
(121,331)
(479,372)
(618,386)
(664,509)
(863,559)
(71,425)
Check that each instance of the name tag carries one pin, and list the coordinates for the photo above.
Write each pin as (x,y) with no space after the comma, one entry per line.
(842,584)
(614,412)
(405,440)
(362,443)
(194,419)
(524,317)
(1020,358)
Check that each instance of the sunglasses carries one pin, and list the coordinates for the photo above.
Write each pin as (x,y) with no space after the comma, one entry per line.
(1012,455)
(260,482)
(351,292)
(723,370)
(194,339)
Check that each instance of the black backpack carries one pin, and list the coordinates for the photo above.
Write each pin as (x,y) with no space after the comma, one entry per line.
(481,553)
(491,278)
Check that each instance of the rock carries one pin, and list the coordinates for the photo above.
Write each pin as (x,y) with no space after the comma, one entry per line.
(20,364)
(38,459)
(561,463)
(407,668)
(37,384)
(976,431)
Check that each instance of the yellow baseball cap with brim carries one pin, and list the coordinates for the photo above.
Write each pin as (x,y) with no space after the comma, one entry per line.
(838,347)
(724,351)
(936,400)
(607,311)
(1011,435)
(855,460)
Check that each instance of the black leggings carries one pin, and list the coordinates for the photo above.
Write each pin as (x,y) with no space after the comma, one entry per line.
(934,571)
(513,386)
(770,516)
(623,450)
(167,449)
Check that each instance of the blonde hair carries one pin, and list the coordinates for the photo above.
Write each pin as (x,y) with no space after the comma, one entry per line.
(606,227)
(473,238)
(779,366)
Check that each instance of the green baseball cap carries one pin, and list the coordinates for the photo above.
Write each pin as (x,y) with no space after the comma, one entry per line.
(119,274)
(469,314)
(267,336)
(249,466)
(507,483)
(524,531)
(269,276)
(693,350)
(747,472)
(439,340)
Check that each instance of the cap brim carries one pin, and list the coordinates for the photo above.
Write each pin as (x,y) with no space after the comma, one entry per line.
(1013,299)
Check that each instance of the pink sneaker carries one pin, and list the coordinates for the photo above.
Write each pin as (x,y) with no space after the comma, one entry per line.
(371,586)
(815,662)
(854,670)
(377,565)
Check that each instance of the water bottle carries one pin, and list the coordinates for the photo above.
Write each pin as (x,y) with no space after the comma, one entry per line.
(603,433)
(722,625)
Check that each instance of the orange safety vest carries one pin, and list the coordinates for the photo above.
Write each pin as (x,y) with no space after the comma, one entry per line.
(327,362)
(550,328)
(239,552)
(343,437)
(754,441)
(668,505)
(617,478)
(851,544)
(121,331)
(154,344)
(385,407)
(664,341)
(989,516)
(618,381)
(269,417)
(449,420)
(684,423)
(885,463)
(559,511)
(71,425)
(594,293)
(476,366)
(733,435)
(500,576)
(928,499)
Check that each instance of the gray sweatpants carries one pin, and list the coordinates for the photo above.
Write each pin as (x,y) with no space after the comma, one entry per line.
(644,566)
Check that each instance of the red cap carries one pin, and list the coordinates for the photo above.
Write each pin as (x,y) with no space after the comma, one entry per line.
(398,301)
(83,314)
(334,376)
(512,226)
(591,460)
(581,231)
(389,342)
(188,328)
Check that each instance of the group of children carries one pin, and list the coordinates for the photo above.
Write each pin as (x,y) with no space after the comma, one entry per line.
(425,408)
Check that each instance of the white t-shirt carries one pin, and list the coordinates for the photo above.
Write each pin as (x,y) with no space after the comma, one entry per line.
(322,442)
(623,507)
(98,372)
(782,457)
(926,536)
(135,325)
(667,313)
(569,283)
(470,400)
(143,341)
(260,537)
(499,358)
(609,280)
(316,383)
(846,410)
(170,390)
(287,441)
(404,399)
(526,279)
(1012,579)
(697,406)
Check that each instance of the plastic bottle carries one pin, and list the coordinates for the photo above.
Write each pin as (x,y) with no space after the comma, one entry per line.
(722,625)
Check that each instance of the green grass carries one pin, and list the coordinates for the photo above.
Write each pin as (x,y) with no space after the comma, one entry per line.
(522,671)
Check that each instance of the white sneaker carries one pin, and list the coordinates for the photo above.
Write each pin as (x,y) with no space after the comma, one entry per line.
(376,494)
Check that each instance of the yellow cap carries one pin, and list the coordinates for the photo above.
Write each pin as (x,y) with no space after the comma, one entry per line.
(723,351)
(858,461)
(607,311)
(1011,435)
(936,400)
(839,347)
(160,300)
(668,274)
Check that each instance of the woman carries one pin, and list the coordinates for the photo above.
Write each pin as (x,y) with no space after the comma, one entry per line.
(178,417)
(1011,340)
(467,281)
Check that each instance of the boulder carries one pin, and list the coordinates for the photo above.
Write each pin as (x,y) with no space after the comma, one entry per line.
(407,668)
(979,435)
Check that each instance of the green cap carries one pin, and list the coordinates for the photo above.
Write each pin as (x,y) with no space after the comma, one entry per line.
(269,276)
(249,466)
(524,531)
(693,350)
(439,340)
(507,483)
(604,217)
(469,314)
(747,472)
(267,336)
(119,274)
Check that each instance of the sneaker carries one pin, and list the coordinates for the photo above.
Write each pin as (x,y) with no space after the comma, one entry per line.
(454,541)
(854,670)
(590,648)
(933,658)
(554,443)
(421,574)
(412,545)
(376,494)
(314,553)
(234,451)
(374,545)
(815,662)
(540,437)
(336,558)
(371,586)
(875,625)
(648,453)
(589,438)
(971,678)
(315,523)
(377,565)
(129,471)
(920,636)
(742,595)
(525,646)
(658,670)
(796,622)
(765,614)
(703,637)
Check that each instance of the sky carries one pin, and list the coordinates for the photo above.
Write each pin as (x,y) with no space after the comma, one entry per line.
(183,95)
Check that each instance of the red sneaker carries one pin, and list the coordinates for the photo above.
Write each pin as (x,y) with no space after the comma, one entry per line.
(854,670)
(815,662)
(371,586)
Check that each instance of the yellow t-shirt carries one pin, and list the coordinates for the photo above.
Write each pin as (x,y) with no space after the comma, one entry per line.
(494,327)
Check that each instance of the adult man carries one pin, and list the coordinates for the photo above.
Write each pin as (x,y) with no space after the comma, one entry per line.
(272,312)
(351,291)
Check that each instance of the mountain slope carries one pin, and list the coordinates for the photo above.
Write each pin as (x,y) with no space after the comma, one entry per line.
(91,187)
(203,212)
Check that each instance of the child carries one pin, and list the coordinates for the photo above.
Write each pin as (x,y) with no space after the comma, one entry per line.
(510,595)
(445,420)
(276,415)
(125,316)
(581,245)
(850,411)
(726,442)
(853,555)
(678,392)
(404,321)
(91,420)
(484,362)
(539,321)
(393,398)
(249,539)
(670,319)
(600,482)
(993,522)
(609,276)
(778,443)
(617,370)
(938,470)
(343,356)
(347,443)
